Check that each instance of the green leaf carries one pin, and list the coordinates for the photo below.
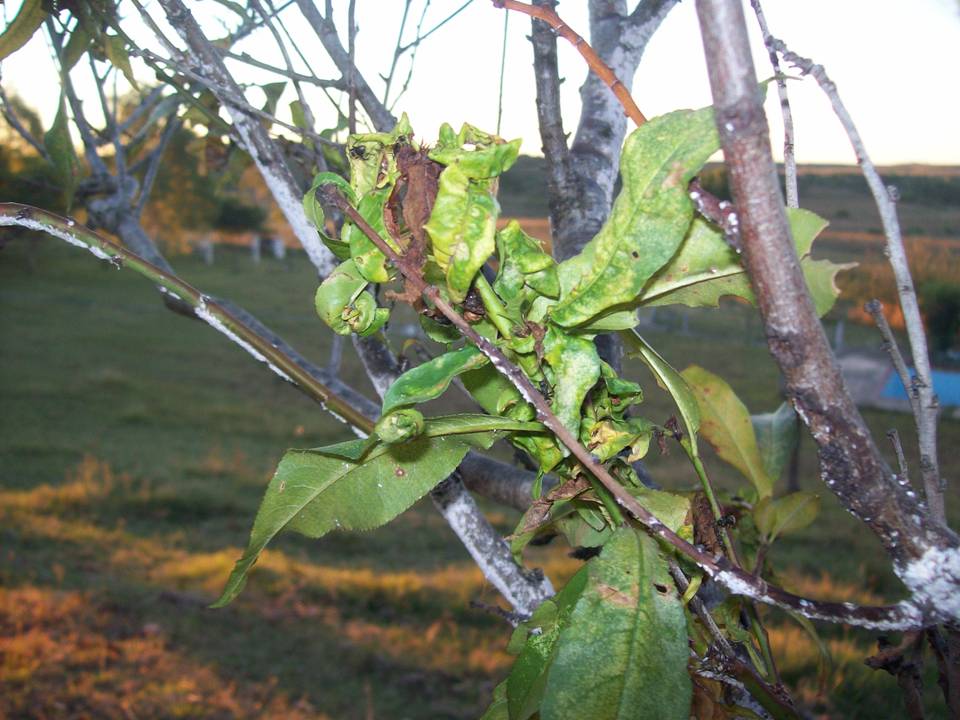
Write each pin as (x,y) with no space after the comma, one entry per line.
(482,162)
(706,268)
(725,423)
(774,517)
(59,145)
(273,91)
(371,156)
(314,211)
(462,229)
(623,653)
(528,677)
(649,218)
(27,21)
(498,705)
(76,46)
(115,48)
(777,435)
(576,369)
(345,306)
(671,381)
(370,261)
(523,263)
(313,494)
(431,379)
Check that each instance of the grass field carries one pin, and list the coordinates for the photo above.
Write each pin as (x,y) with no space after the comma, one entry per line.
(134,446)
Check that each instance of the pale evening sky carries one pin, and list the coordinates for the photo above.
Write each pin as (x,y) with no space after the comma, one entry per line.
(893,61)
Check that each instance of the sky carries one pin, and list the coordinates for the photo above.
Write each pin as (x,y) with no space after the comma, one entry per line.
(894,62)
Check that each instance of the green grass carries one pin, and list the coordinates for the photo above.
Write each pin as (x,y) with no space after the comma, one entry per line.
(134,446)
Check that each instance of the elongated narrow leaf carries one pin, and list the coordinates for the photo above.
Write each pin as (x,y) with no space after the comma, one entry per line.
(26,22)
(370,261)
(624,652)
(313,494)
(706,268)
(431,379)
(670,380)
(115,48)
(462,228)
(725,423)
(649,218)
(59,145)
(528,677)
(777,435)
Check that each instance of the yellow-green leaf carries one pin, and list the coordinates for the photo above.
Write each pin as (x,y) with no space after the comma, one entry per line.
(725,423)
(26,22)
(774,517)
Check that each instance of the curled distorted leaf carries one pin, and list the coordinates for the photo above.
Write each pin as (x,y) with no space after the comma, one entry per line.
(481,162)
(25,23)
(399,426)
(774,517)
(314,211)
(371,157)
(312,493)
(523,262)
(648,221)
(725,423)
(345,306)
(432,378)
(576,369)
(706,268)
(441,332)
(462,228)
(777,436)
(623,651)
(370,261)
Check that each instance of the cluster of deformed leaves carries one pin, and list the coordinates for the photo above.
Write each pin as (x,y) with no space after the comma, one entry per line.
(614,642)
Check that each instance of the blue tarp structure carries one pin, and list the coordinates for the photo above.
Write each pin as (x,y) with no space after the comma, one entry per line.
(945,383)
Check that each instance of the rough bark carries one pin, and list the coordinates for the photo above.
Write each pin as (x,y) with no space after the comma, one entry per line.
(924,552)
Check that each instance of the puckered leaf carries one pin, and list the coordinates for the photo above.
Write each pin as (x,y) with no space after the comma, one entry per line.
(345,306)
(313,494)
(314,211)
(523,263)
(649,218)
(706,268)
(725,423)
(482,162)
(462,228)
(370,261)
(623,653)
(576,369)
(431,379)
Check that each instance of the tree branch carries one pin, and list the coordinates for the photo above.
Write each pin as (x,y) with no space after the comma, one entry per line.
(928,406)
(850,462)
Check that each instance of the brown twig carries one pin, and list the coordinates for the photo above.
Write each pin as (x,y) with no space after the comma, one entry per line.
(894,437)
(905,663)
(719,568)
(596,63)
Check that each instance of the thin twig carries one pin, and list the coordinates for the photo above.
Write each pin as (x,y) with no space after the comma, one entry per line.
(352,72)
(719,568)
(789,157)
(894,438)
(929,406)
(875,308)
(153,165)
(14,122)
(388,81)
(596,63)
